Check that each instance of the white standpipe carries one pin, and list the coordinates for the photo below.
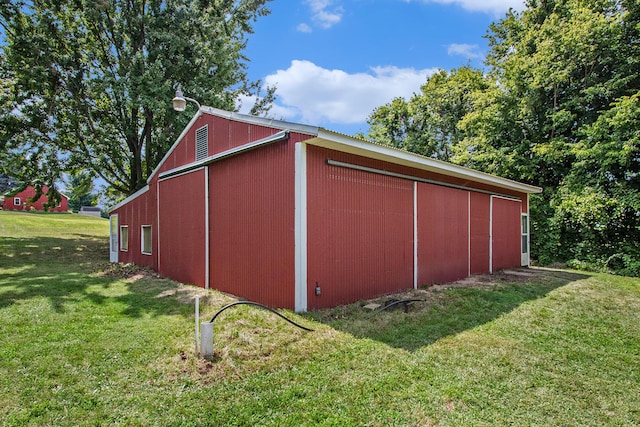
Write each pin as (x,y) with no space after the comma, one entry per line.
(197,320)
(206,339)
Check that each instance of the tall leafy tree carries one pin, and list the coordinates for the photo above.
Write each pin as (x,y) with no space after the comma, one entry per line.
(87,84)
(80,191)
(427,124)
(567,74)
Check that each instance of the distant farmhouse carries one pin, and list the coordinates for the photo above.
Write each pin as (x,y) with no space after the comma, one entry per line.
(22,201)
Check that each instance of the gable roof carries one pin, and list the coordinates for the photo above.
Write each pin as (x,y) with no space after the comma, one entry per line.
(337,141)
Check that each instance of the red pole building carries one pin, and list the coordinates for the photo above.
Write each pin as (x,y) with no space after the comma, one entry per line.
(295,216)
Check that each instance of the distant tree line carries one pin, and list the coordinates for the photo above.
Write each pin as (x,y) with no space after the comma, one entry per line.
(558,106)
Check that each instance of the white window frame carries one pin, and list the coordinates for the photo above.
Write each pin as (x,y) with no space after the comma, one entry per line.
(143,228)
(525,239)
(124,238)
(17,201)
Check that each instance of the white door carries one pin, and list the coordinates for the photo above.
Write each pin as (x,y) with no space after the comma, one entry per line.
(525,240)
(113,238)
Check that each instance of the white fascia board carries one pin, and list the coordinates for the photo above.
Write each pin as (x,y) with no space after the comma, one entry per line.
(130,198)
(262,121)
(344,143)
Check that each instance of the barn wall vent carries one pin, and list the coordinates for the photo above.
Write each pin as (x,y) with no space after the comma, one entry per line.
(202,142)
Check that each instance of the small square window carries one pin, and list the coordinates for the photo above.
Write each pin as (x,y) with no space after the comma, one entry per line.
(17,201)
(124,238)
(146,239)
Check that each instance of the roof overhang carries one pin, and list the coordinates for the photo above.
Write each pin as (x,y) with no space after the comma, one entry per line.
(347,144)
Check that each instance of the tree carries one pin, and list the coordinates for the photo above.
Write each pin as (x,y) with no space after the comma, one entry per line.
(562,115)
(428,123)
(80,190)
(87,84)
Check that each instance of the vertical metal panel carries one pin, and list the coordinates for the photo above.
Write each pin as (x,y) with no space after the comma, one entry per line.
(360,232)
(182,228)
(252,225)
(479,229)
(219,134)
(443,239)
(505,232)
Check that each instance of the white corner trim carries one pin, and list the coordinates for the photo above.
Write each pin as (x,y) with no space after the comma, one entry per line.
(300,227)
(415,234)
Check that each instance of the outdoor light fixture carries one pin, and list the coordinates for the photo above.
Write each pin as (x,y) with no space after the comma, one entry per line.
(180,101)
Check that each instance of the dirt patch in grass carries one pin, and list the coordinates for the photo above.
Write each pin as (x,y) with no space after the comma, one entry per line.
(513,276)
(128,271)
(131,273)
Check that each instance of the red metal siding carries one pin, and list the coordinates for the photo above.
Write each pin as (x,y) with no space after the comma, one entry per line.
(479,228)
(185,151)
(252,225)
(138,212)
(360,231)
(224,134)
(443,236)
(506,234)
(182,228)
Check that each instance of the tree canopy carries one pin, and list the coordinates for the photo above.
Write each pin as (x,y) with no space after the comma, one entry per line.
(558,106)
(87,84)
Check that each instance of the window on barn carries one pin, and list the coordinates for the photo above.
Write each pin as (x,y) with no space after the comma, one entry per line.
(124,238)
(146,239)
(202,143)
(17,201)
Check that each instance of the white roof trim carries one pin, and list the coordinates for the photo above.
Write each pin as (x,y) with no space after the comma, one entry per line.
(262,121)
(223,155)
(130,198)
(340,142)
(334,140)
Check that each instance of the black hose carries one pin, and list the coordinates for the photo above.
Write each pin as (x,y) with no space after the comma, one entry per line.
(257,305)
(402,301)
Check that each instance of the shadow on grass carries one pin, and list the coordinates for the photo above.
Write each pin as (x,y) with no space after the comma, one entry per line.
(62,272)
(445,312)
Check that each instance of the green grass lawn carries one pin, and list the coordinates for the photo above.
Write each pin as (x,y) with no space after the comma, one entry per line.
(86,343)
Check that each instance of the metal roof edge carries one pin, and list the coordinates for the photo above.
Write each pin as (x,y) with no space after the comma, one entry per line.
(230,115)
(396,155)
(262,121)
(128,199)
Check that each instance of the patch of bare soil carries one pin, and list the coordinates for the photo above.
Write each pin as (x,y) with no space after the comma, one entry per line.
(519,275)
(130,271)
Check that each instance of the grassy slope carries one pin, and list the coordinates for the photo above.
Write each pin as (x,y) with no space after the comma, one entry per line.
(80,348)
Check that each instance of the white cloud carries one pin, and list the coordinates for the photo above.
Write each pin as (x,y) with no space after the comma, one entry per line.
(315,95)
(470,51)
(495,7)
(304,28)
(324,14)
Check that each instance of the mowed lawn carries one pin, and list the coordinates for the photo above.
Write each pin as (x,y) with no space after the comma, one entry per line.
(83,342)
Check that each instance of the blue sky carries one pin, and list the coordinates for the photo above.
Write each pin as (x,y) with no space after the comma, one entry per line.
(334,61)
